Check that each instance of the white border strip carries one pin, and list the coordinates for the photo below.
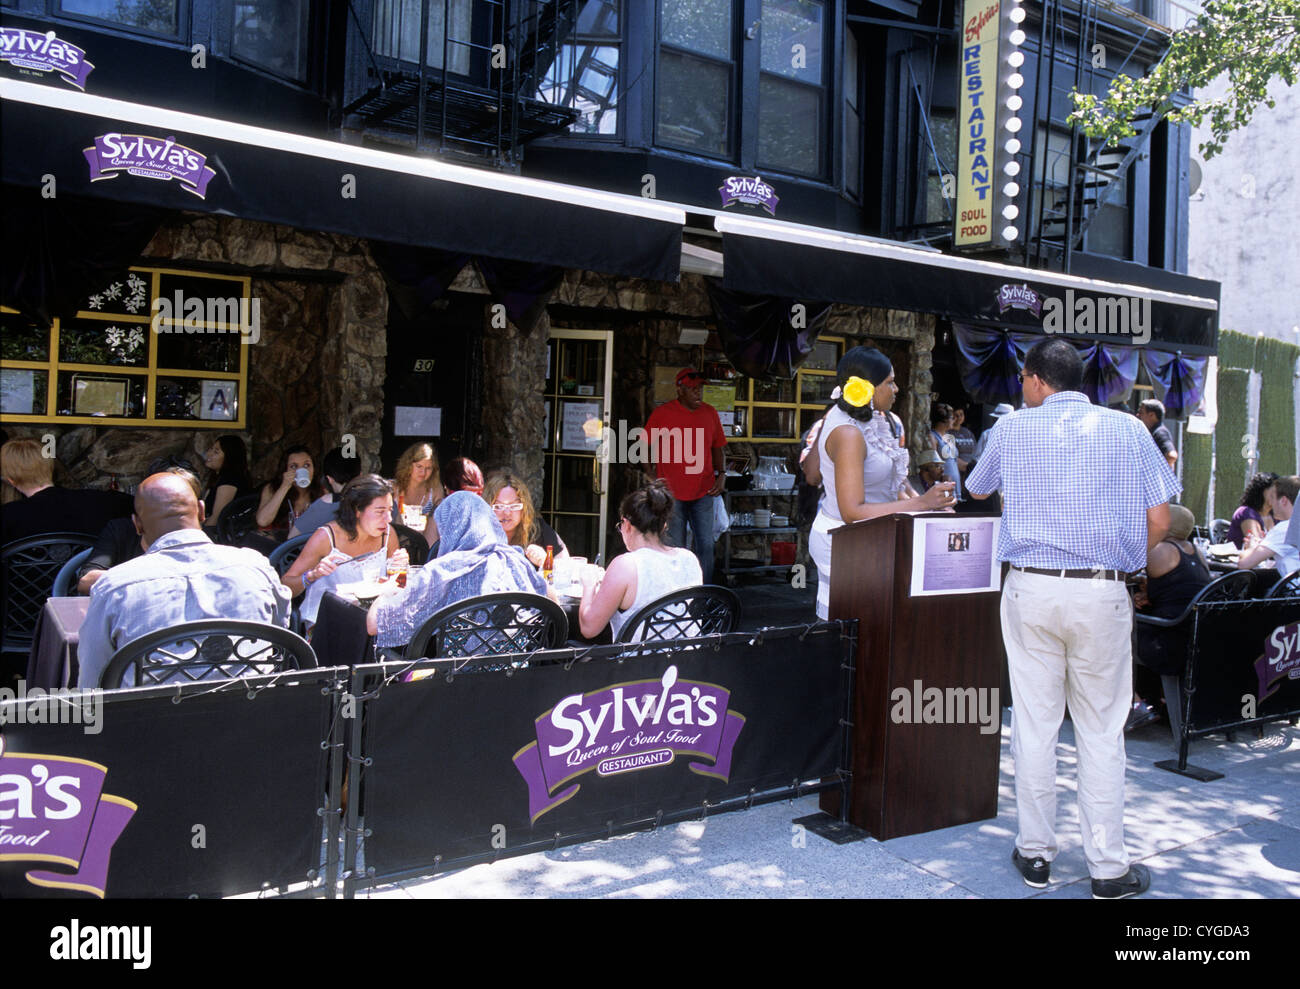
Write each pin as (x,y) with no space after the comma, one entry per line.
(226,130)
(832,240)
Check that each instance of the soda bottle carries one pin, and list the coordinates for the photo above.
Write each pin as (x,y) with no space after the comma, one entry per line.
(548,567)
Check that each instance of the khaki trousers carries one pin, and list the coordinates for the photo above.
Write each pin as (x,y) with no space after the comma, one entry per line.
(1068,641)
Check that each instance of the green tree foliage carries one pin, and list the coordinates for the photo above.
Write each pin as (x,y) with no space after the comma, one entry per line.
(1253,41)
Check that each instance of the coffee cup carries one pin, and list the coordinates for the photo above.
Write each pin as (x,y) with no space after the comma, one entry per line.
(302,477)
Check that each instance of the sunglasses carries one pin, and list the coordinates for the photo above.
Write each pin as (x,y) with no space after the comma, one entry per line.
(517,506)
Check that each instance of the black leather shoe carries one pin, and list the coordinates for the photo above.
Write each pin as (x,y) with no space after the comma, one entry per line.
(1136,880)
(1036,871)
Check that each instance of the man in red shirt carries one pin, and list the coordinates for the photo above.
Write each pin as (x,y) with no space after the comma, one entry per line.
(686,442)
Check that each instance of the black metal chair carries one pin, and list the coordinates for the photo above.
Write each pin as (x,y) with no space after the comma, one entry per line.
(685,614)
(1235,586)
(65,581)
(491,625)
(413,542)
(1219,531)
(286,554)
(211,649)
(238,519)
(29,568)
(1287,587)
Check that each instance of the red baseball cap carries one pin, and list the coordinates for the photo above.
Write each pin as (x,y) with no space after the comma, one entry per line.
(689,372)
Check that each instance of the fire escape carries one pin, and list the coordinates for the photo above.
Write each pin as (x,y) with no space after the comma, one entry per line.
(478,99)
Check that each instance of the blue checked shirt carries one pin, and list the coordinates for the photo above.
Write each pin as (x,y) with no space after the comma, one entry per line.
(1076,480)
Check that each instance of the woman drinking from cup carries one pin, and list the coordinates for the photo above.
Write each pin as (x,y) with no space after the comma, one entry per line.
(857,459)
(297,488)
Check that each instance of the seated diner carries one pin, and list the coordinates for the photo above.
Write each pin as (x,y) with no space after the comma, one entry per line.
(289,495)
(646,572)
(336,470)
(227,460)
(417,490)
(1256,550)
(513,506)
(45,508)
(355,547)
(1254,516)
(473,559)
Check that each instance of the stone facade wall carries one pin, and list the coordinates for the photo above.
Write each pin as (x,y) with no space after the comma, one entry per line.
(316,374)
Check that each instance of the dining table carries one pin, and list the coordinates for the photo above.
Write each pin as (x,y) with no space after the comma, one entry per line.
(52,663)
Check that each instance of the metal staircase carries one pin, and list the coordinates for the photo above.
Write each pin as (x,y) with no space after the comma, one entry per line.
(478,102)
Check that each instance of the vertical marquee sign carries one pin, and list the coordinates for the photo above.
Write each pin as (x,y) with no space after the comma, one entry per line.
(988,124)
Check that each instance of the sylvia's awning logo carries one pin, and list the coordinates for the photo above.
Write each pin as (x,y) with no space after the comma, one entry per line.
(626,728)
(151,158)
(53,810)
(1281,659)
(44,52)
(1019,297)
(751,192)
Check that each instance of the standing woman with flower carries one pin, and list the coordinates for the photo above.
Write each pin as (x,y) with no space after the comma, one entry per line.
(857,459)
(418,490)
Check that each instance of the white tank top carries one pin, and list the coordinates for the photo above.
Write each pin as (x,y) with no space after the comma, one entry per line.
(658,574)
(877,469)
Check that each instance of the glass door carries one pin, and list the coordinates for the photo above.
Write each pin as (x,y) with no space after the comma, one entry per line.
(579,371)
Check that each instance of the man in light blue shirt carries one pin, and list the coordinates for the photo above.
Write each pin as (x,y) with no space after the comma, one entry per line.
(1085,494)
(182,577)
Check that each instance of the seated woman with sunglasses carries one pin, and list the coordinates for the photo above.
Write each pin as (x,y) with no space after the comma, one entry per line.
(648,571)
(513,507)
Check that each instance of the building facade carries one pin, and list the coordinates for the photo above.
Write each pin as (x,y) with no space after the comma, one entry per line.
(505,225)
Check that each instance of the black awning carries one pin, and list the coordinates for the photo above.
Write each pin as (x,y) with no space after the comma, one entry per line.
(121,151)
(1171,312)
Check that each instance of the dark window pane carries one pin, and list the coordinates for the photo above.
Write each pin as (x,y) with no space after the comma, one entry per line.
(852,152)
(816,388)
(97,341)
(774,423)
(599,18)
(397,32)
(22,340)
(272,34)
(773,391)
(693,99)
(585,77)
(825,355)
(202,350)
(159,16)
(701,25)
(789,126)
(197,398)
(792,39)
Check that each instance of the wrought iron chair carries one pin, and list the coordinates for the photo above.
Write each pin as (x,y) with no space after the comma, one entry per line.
(1287,587)
(65,582)
(1219,531)
(1235,586)
(685,614)
(413,542)
(29,568)
(491,625)
(211,649)
(286,554)
(238,519)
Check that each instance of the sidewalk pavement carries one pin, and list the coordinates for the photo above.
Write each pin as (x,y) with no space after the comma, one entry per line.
(1235,837)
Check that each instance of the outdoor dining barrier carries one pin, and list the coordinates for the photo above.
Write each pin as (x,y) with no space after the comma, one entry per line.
(1243,669)
(467,765)
(203,789)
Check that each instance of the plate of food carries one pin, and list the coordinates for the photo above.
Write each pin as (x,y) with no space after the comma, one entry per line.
(362,591)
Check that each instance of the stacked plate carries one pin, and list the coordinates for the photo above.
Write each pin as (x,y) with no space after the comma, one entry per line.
(780,521)
(762,518)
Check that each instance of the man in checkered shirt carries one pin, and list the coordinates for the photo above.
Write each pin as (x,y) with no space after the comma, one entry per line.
(1085,493)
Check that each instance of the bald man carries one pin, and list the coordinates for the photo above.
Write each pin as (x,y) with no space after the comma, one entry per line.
(182,577)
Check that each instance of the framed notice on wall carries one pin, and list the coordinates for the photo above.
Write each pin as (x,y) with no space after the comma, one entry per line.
(417,420)
(955,555)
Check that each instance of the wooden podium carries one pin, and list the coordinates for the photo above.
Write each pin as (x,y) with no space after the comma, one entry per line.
(908,777)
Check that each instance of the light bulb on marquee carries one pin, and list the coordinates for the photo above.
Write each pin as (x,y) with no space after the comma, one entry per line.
(1014,103)
(1012,146)
(1012,168)
(1017,14)
(1015,80)
(1016,59)
(1010,233)
(1011,211)
(1013,124)
(1011,190)
(1017,37)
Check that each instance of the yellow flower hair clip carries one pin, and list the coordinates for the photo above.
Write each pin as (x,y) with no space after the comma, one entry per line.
(856,391)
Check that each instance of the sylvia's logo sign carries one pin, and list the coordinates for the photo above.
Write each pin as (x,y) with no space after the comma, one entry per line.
(975,26)
(1281,659)
(53,810)
(44,53)
(150,158)
(751,192)
(1019,297)
(626,728)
